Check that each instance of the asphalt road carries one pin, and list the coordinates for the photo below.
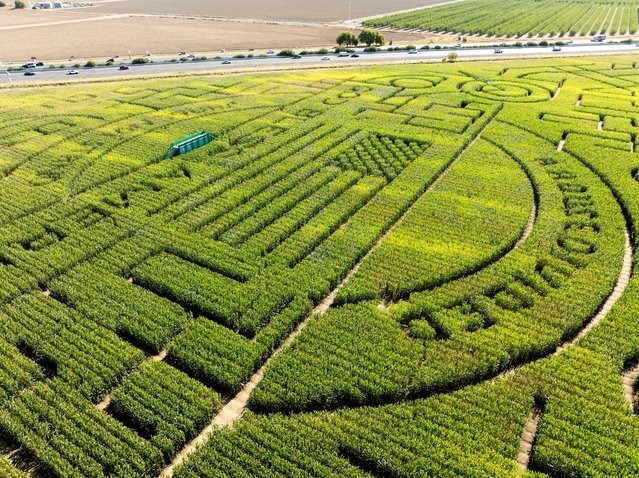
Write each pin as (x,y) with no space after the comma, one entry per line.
(46,74)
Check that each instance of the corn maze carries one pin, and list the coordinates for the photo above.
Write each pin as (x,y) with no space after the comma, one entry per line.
(522,18)
(421,270)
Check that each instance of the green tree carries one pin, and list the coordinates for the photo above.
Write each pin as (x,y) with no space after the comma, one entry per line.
(452,56)
(370,37)
(347,38)
(19,4)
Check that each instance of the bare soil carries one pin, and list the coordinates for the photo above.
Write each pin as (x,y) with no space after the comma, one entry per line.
(10,17)
(103,38)
(285,10)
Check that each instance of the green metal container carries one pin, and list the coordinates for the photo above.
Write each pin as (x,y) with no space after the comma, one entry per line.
(188,144)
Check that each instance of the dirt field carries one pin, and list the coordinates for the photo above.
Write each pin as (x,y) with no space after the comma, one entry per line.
(104,38)
(286,10)
(11,18)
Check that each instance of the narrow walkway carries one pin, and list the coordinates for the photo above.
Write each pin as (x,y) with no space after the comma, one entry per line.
(560,146)
(104,404)
(628,380)
(236,407)
(529,227)
(557,91)
(528,438)
(24,462)
(620,287)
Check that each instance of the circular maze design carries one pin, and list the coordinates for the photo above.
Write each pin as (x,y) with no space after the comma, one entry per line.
(440,266)
(416,82)
(504,90)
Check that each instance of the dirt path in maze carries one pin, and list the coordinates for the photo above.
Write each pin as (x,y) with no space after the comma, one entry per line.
(628,380)
(620,287)
(527,439)
(106,401)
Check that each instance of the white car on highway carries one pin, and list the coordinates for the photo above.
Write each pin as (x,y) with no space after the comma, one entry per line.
(73,72)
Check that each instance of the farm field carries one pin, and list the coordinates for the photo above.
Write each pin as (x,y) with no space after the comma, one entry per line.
(279,10)
(417,270)
(520,18)
(53,35)
(106,37)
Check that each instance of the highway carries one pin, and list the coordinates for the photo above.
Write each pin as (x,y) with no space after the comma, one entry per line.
(329,60)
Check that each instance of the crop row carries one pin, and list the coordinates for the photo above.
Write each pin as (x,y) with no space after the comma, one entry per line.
(474,433)
(7,470)
(73,438)
(456,228)
(529,286)
(380,156)
(164,404)
(494,17)
(82,353)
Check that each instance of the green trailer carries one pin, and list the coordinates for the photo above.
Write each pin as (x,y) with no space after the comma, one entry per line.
(188,144)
